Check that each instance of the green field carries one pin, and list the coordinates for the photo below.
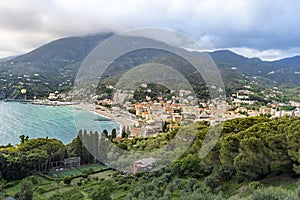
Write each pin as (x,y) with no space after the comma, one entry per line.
(77,171)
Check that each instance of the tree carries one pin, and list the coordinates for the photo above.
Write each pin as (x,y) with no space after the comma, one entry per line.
(105,132)
(114,133)
(293,139)
(263,149)
(78,148)
(53,148)
(228,152)
(124,134)
(36,159)
(23,138)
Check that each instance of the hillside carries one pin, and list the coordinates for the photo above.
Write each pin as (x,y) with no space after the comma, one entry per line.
(244,164)
(291,63)
(250,66)
(53,66)
(281,71)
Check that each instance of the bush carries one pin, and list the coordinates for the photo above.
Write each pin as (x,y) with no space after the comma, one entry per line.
(125,187)
(85,175)
(274,194)
(88,171)
(69,195)
(204,195)
(101,192)
(26,190)
(41,190)
(67,180)
(33,179)
(57,196)
(255,185)
(212,182)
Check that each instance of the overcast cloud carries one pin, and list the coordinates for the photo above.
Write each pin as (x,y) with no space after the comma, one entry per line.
(268,29)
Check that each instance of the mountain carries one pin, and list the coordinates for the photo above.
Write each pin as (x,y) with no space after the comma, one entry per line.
(53,66)
(282,71)
(64,50)
(292,63)
(7,58)
(251,66)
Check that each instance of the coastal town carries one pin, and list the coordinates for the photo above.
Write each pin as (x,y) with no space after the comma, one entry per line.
(150,116)
(156,115)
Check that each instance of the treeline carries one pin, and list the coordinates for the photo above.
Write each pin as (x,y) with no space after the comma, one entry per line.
(92,147)
(37,155)
(250,149)
(19,161)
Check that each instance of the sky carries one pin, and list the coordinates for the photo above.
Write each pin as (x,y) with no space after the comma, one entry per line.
(268,29)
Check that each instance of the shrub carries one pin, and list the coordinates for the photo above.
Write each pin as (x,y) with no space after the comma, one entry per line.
(85,175)
(274,194)
(102,192)
(67,180)
(212,182)
(33,179)
(41,190)
(255,185)
(26,190)
(57,196)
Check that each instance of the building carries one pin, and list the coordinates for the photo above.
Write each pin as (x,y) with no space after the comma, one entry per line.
(296,104)
(265,110)
(68,163)
(238,102)
(53,96)
(136,132)
(72,162)
(143,165)
(242,110)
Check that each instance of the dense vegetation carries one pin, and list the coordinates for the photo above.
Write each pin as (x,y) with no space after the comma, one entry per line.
(252,152)
(57,63)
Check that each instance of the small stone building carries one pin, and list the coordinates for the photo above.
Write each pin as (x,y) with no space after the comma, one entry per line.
(143,165)
(72,162)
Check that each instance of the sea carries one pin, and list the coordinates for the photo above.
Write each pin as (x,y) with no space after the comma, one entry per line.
(39,121)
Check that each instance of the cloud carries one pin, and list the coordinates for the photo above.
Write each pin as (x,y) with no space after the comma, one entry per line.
(267,55)
(243,25)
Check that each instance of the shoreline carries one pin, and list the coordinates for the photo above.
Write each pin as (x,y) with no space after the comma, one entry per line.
(122,121)
(52,103)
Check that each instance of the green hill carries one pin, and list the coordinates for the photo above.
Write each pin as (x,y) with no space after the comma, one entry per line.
(54,66)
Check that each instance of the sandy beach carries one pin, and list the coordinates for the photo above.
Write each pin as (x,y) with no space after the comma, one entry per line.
(120,119)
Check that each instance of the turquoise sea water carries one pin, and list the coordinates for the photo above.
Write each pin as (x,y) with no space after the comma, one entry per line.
(60,122)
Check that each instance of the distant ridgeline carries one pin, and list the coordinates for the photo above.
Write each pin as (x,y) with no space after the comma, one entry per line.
(53,67)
